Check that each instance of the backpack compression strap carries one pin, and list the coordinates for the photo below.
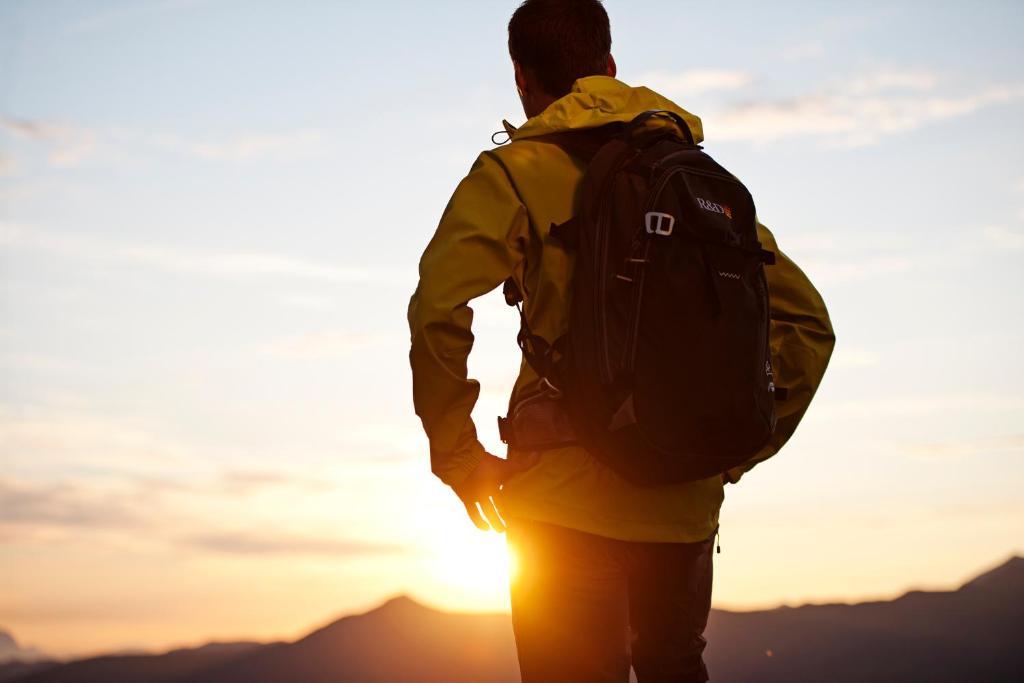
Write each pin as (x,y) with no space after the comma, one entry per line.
(583,145)
(539,354)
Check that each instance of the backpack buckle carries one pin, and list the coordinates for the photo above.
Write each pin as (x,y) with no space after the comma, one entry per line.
(510,290)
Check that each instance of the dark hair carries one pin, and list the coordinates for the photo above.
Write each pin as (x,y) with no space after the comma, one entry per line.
(560,41)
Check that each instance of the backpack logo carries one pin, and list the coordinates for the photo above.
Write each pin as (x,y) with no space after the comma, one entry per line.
(714,207)
(659,223)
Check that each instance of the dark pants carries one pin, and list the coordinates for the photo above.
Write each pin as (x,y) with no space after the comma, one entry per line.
(585,607)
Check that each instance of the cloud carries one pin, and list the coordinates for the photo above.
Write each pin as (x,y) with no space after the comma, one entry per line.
(138,459)
(53,511)
(68,144)
(63,436)
(230,483)
(893,79)
(33,506)
(856,112)
(962,449)
(695,81)
(71,145)
(282,146)
(1005,238)
(246,482)
(229,265)
(271,543)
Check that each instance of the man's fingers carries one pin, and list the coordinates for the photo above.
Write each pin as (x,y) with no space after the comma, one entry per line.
(474,515)
(491,513)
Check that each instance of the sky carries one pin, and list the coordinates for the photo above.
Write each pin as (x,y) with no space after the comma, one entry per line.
(210,218)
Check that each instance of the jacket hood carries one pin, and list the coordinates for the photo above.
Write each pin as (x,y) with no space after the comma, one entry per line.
(595,101)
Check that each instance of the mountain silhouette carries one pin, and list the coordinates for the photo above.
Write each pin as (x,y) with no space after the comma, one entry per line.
(169,667)
(16,660)
(975,633)
(12,650)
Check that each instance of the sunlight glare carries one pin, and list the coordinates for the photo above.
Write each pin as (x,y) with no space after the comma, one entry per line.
(477,564)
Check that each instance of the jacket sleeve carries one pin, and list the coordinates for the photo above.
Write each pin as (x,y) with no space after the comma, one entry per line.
(801,341)
(477,245)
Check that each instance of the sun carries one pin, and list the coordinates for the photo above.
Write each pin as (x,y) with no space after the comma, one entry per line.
(474,567)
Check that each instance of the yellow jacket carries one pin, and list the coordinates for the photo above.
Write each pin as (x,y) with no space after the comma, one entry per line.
(495,225)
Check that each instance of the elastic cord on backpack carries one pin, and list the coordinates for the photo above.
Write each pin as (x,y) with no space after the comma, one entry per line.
(539,354)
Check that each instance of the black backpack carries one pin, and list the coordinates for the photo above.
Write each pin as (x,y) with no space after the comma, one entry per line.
(665,373)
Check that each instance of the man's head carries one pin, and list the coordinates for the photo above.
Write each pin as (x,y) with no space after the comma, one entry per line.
(554,42)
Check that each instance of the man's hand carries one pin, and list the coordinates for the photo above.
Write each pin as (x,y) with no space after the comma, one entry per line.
(481,490)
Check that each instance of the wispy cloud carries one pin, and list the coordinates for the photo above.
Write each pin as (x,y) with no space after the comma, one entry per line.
(34,506)
(229,483)
(251,481)
(858,111)
(63,436)
(231,265)
(47,511)
(695,81)
(70,144)
(277,543)
(284,145)
(895,80)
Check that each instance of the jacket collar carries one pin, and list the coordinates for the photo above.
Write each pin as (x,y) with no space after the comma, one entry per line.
(595,101)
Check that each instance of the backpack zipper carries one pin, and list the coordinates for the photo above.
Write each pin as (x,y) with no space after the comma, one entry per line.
(629,352)
(602,317)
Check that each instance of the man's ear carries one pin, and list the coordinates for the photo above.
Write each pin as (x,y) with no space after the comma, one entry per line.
(611,70)
(520,79)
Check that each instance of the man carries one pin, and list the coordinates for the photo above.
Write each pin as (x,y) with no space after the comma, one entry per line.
(611,574)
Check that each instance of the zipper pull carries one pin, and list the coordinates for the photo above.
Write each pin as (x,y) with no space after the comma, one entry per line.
(718,545)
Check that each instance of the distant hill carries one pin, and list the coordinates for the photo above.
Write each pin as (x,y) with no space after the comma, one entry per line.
(17,661)
(11,650)
(975,633)
(169,667)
